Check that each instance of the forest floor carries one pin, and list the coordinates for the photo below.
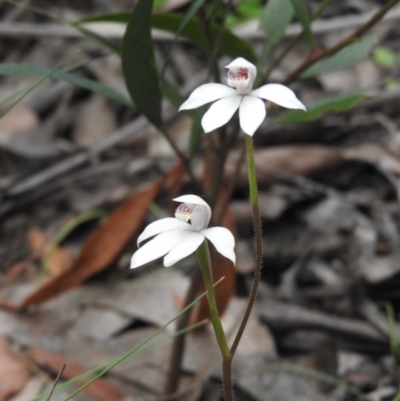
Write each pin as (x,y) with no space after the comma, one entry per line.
(81,175)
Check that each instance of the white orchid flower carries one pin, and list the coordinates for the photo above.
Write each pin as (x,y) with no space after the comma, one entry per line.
(241,76)
(177,238)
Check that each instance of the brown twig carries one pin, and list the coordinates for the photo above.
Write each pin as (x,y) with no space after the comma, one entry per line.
(342,44)
(56,381)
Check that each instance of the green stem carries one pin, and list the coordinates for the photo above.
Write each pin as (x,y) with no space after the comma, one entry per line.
(203,256)
(251,167)
(258,239)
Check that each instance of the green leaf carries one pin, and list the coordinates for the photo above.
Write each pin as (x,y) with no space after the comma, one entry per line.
(32,70)
(276,16)
(158,3)
(345,58)
(15,100)
(138,64)
(244,10)
(197,130)
(231,45)
(320,107)
(302,15)
(385,57)
(190,14)
(120,16)
(98,38)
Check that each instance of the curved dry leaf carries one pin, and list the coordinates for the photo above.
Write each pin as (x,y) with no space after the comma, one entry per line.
(104,245)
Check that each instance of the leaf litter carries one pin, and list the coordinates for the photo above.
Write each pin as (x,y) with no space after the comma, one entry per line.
(329,193)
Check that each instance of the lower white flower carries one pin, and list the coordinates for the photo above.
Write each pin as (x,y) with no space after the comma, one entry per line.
(239,95)
(177,238)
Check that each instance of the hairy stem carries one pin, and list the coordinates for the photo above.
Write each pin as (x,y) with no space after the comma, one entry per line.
(258,239)
(203,256)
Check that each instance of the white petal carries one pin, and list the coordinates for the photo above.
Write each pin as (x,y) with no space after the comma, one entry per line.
(192,199)
(185,247)
(162,225)
(205,94)
(239,63)
(223,240)
(279,94)
(251,114)
(157,247)
(220,113)
(205,217)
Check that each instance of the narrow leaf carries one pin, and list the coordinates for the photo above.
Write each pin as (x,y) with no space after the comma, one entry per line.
(28,90)
(319,108)
(138,63)
(302,15)
(121,16)
(231,45)
(189,14)
(345,58)
(197,131)
(28,69)
(276,16)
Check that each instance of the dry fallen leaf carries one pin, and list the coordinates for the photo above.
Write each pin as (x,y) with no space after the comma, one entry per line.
(13,373)
(106,243)
(99,390)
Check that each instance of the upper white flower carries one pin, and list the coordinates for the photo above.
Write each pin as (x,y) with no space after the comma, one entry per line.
(177,238)
(241,76)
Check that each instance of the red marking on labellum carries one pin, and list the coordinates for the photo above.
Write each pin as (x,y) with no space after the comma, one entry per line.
(242,74)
